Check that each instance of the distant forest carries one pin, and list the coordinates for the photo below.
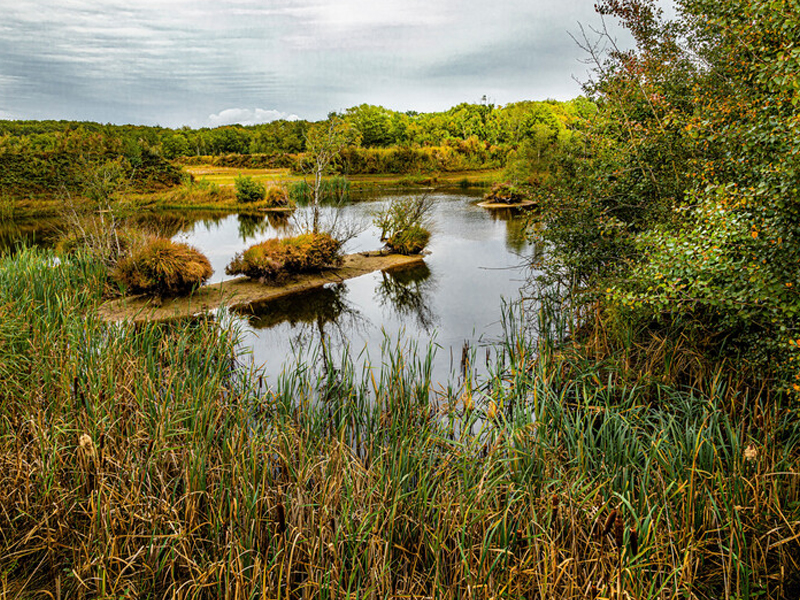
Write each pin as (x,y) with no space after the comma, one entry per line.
(37,155)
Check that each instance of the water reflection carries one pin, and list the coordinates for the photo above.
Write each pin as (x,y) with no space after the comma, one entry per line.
(322,317)
(320,305)
(169,223)
(40,232)
(251,226)
(515,221)
(409,293)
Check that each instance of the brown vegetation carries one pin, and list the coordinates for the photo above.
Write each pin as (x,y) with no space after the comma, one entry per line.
(278,257)
(162,267)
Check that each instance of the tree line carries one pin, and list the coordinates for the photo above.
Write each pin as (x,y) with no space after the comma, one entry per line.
(526,124)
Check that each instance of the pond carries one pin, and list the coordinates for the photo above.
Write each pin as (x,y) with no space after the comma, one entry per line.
(478,259)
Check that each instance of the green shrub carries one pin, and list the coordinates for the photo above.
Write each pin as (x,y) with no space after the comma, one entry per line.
(411,240)
(278,257)
(249,190)
(162,267)
(405,223)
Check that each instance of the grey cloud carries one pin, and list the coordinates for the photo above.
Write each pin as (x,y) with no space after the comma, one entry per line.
(176,62)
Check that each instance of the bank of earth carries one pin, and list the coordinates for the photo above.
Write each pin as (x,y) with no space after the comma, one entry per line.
(243,293)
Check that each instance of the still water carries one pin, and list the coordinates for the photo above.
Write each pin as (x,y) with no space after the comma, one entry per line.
(477,260)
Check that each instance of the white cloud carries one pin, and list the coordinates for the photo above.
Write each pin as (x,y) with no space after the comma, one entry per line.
(247,116)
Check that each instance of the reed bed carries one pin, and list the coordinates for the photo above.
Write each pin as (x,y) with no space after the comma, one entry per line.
(145,462)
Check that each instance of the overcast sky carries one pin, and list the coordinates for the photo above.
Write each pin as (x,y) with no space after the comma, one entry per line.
(213,62)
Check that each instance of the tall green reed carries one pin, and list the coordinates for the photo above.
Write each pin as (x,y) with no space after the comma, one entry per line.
(145,460)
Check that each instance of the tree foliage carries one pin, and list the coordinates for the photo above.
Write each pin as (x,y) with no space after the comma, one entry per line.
(681,207)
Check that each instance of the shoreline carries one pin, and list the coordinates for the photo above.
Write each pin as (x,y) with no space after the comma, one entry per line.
(490,204)
(243,293)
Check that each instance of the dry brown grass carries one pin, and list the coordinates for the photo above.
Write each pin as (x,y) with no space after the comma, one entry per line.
(162,267)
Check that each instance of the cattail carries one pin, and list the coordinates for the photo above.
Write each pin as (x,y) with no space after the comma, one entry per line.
(618,532)
(87,458)
(612,516)
(634,537)
(281,518)
(556,502)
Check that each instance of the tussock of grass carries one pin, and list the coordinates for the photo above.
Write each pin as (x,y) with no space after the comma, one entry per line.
(279,257)
(163,268)
(140,461)
(277,196)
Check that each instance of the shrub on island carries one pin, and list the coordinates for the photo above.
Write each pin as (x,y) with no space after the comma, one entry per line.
(411,240)
(405,223)
(277,196)
(506,193)
(277,257)
(161,267)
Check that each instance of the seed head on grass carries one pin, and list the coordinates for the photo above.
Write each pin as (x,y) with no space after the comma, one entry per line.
(633,535)
(610,520)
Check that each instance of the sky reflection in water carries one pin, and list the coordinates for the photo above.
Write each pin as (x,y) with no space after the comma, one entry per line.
(477,259)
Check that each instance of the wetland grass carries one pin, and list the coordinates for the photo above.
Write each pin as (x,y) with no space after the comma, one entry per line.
(143,461)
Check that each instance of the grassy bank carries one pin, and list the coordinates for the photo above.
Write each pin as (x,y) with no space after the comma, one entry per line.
(213,190)
(139,461)
(225,176)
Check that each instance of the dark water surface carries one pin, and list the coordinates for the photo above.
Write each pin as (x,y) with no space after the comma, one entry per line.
(477,259)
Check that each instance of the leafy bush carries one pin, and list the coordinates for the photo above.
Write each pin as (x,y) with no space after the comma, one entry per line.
(278,257)
(411,240)
(249,190)
(405,223)
(162,267)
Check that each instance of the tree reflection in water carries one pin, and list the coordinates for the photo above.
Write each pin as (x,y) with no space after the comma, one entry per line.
(169,223)
(251,225)
(515,226)
(408,291)
(322,317)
